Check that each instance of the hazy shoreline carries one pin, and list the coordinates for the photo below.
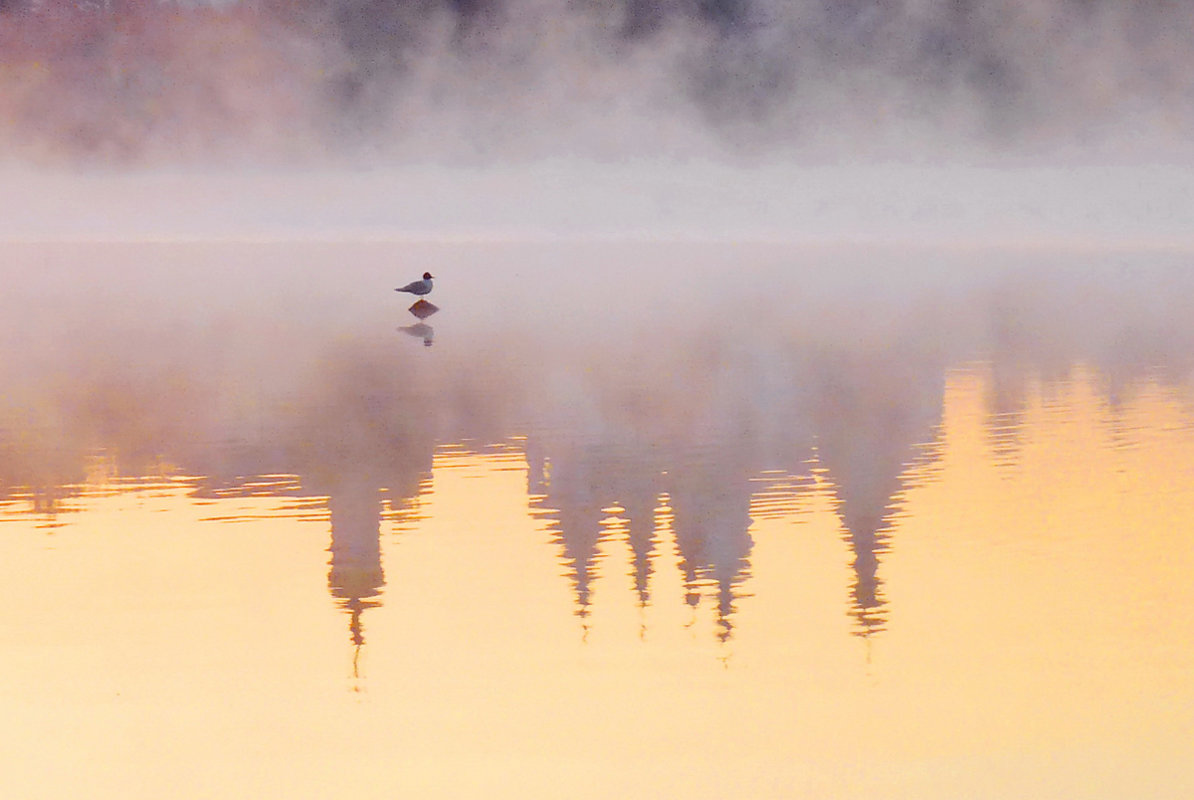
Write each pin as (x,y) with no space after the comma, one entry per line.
(563,201)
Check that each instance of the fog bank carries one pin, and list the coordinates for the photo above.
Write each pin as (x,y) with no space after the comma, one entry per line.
(116,82)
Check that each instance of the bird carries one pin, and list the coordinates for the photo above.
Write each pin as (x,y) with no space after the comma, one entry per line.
(419,288)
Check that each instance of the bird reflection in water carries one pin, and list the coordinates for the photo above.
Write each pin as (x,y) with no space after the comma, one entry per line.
(670,443)
(422,331)
(421,309)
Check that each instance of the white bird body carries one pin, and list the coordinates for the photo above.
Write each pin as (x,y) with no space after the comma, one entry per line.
(419,288)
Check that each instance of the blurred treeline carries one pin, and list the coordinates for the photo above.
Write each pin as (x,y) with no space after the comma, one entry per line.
(124,81)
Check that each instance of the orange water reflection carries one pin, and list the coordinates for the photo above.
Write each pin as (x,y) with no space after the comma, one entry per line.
(1029,633)
(888,560)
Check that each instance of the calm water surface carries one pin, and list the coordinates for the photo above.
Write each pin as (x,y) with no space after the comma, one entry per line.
(616,521)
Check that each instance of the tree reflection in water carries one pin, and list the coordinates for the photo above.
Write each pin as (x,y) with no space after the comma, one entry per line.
(702,419)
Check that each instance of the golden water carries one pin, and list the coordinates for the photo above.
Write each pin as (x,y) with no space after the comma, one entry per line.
(833,529)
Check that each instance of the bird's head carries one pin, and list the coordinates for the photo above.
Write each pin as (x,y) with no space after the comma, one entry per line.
(426,276)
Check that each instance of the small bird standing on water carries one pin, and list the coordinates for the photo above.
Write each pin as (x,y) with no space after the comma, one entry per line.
(419,288)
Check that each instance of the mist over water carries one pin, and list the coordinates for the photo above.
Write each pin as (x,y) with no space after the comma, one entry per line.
(614,374)
(1088,207)
(482,80)
(1061,121)
(168,349)
(807,410)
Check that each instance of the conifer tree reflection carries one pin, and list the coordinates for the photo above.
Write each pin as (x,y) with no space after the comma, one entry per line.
(873,410)
(574,487)
(710,497)
(364,431)
(699,416)
(355,576)
(572,504)
(359,438)
(639,501)
(41,473)
(605,447)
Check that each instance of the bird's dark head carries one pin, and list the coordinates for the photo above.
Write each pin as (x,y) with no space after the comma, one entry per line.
(426,276)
